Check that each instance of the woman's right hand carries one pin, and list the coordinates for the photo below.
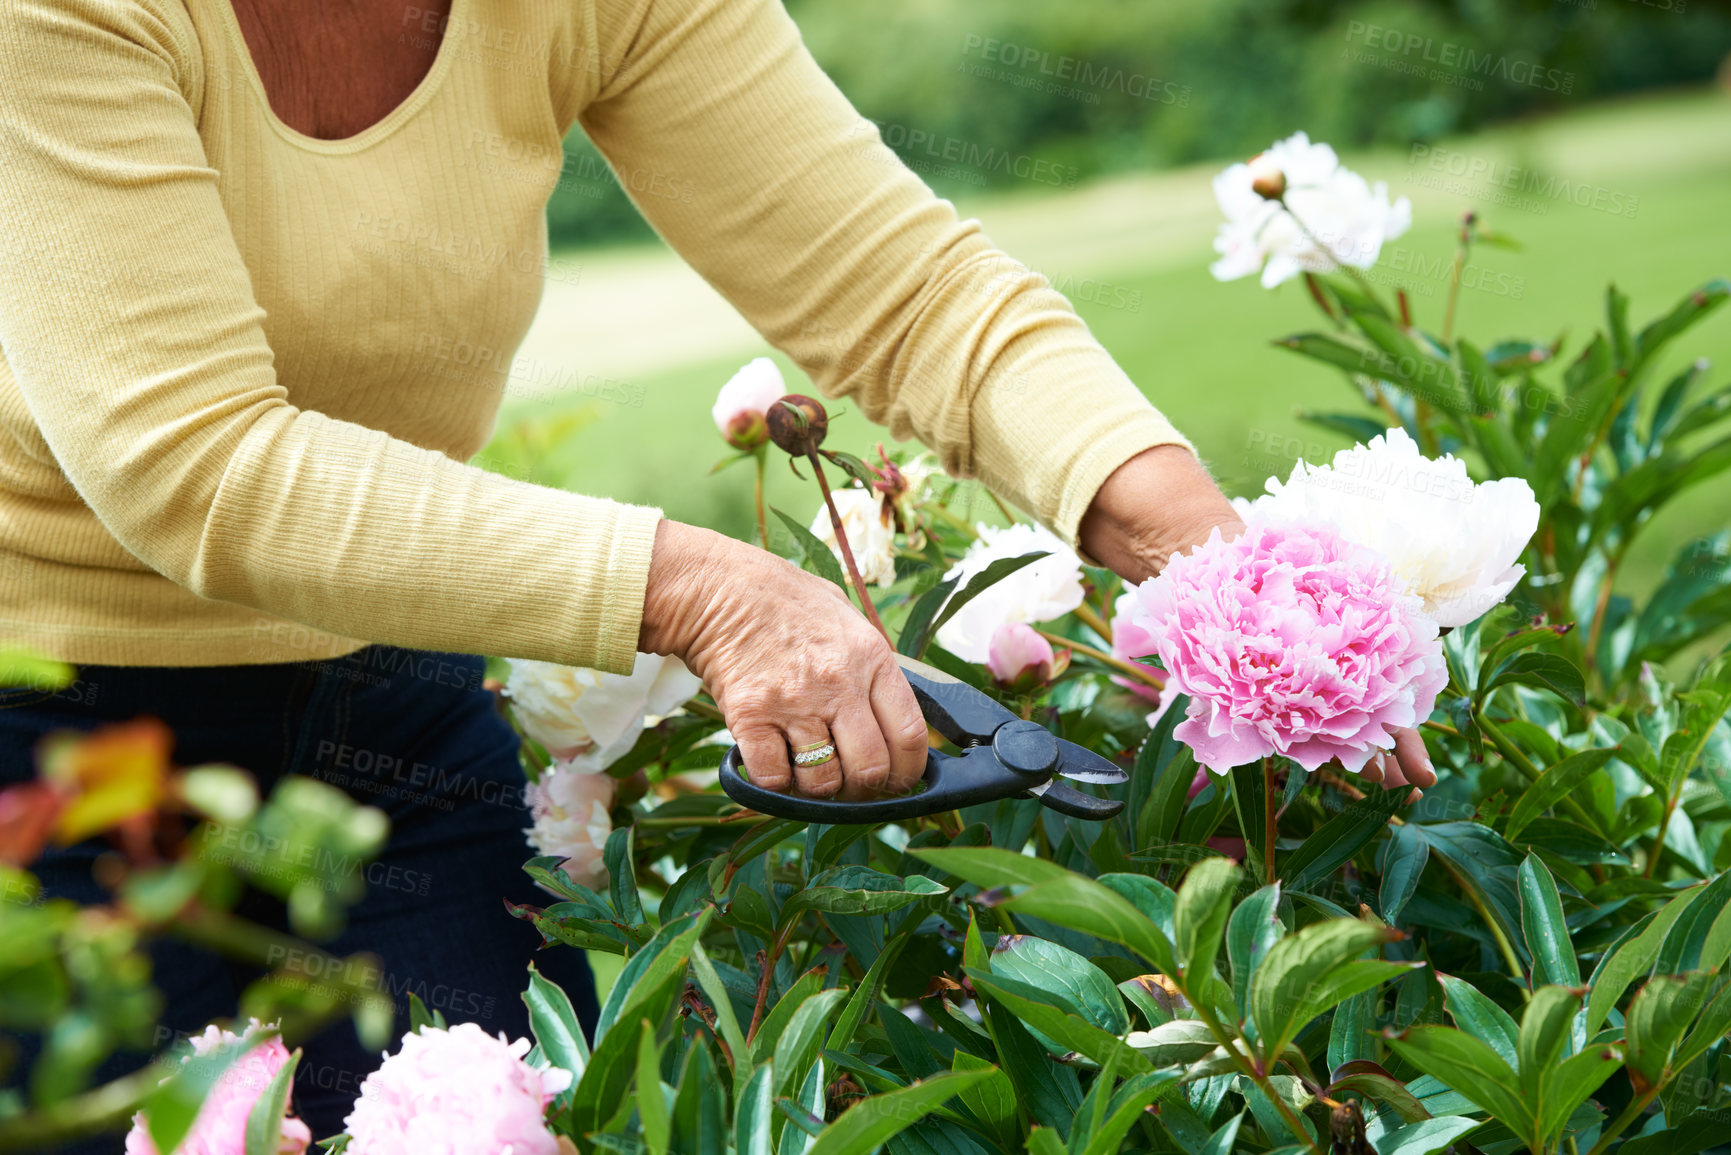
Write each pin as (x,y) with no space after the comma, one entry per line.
(789,660)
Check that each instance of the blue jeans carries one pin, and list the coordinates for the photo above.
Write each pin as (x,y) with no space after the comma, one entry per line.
(408,731)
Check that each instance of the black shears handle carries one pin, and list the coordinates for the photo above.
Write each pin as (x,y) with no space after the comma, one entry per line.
(1003,757)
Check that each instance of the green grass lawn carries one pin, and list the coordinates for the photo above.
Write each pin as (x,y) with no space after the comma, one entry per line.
(1201,350)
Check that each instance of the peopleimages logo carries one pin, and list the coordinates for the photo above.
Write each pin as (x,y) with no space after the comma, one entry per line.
(1063,70)
(1418,50)
(1484,172)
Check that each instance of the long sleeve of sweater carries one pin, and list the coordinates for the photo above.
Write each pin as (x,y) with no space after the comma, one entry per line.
(158,397)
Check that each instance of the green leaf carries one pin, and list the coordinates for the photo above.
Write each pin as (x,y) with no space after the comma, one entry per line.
(1567,1085)
(700,1108)
(420,1016)
(755,1114)
(652,1113)
(1688,312)
(622,875)
(1631,956)
(612,1065)
(1684,943)
(1079,986)
(1552,786)
(1045,1141)
(1059,896)
(858,890)
(264,1121)
(171,1108)
(870,1122)
(1713,1025)
(1541,671)
(1330,351)
(1168,767)
(1048,1091)
(1199,920)
(1179,1041)
(726,1022)
(1481,1018)
(1128,1104)
(20,667)
(1425,1137)
(553,1021)
(1338,839)
(1544,1037)
(1295,974)
(992,1099)
(799,1043)
(1469,1067)
(811,553)
(776,1021)
(1543,927)
(1659,1014)
(1068,1030)
(1252,929)
(865,996)
(1374,1082)
(1403,865)
(994,573)
(664,954)
(1248,790)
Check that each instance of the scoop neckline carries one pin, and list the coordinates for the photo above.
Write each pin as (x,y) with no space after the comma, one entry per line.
(373,133)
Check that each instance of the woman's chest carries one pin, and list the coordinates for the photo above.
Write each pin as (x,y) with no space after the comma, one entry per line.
(332,70)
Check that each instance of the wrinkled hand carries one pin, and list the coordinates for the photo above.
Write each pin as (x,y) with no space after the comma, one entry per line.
(1162,502)
(790,662)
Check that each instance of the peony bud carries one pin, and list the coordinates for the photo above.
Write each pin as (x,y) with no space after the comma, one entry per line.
(797,424)
(740,406)
(1018,657)
(1266,179)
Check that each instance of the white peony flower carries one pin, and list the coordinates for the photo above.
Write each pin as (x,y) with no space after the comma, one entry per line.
(1038,592)
(1455,543)
(1345,219)
(872,538)
(587,719)
(572,821)
(742,402)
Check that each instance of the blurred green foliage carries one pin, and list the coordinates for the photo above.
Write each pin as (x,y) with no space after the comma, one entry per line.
(1101,86)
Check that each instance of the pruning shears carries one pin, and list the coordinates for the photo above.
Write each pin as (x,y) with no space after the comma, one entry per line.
(1002,756)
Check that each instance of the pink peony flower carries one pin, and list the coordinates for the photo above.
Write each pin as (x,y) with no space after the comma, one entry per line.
(1291,641)
(456,1092)
(739,407)
(1131,640)
(1019,655)
(220,1128)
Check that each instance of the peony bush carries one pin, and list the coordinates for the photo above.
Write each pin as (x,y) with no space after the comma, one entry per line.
(1265,950)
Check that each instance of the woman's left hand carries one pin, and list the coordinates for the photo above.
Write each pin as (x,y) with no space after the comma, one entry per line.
(1163,502)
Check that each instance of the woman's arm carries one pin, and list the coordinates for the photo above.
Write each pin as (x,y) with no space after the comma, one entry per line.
(763,176)
(157,396)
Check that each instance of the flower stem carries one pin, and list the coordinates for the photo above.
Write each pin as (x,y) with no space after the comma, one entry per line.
(1252,1071)
(770,959)
(1270,820)
(859,586)
(1629,1115)
(1503,945)
(1134,670)
(1086,614)
(757,494)
(1659,842)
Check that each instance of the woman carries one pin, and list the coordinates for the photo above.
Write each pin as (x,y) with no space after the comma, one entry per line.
(234,233)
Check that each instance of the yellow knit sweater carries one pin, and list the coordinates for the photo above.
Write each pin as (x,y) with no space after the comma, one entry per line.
(227,431)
